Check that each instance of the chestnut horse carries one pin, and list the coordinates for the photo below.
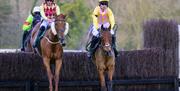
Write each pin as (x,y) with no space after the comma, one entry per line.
(51,48)
(104,59)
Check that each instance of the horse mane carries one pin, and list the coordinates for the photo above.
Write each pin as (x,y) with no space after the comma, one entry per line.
(60,17)
(103,27)
(63,16)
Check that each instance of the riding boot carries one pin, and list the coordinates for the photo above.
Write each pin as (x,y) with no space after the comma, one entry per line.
(114,45)
(109,85)
(37,39)
(25,34)
(92,48)
(63,43)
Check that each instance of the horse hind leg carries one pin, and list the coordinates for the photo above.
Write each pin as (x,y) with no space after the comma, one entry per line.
(57,72)
(46,62)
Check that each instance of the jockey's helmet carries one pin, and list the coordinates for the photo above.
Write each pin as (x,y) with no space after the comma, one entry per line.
(36,9)
(103,0)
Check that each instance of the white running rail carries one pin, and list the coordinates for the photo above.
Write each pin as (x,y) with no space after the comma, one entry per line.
(18,50)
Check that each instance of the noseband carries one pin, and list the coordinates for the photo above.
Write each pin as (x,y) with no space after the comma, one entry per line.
(105,46)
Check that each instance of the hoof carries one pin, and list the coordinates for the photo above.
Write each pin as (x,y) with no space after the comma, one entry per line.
(109,86)
(22,49)
(50,88)
(103,88)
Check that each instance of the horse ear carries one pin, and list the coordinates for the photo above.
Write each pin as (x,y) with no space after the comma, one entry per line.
(102,27)
(65,16)
(55,15)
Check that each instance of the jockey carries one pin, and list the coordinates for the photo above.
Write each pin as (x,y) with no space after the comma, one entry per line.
(28,24)
(48,10)
(102,15)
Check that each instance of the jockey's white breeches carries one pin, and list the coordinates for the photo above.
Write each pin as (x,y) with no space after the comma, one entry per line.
(95,31)
(45,23)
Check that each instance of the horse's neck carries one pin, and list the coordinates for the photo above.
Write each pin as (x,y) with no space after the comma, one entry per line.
(51,36)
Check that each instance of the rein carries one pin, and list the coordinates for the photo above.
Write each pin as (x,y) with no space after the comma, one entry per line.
(51,42)
(57,42)
(62,20)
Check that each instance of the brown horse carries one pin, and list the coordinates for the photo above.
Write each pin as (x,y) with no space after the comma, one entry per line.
(36,20)
(104,59)
(51,48)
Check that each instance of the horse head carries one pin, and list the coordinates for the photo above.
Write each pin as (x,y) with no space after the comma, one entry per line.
(106,39)
(59,28)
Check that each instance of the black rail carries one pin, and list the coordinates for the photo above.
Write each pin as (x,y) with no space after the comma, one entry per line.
(7,84)
(35,85)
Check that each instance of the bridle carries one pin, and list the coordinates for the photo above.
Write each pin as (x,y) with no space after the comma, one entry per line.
(107,48)
(59,37)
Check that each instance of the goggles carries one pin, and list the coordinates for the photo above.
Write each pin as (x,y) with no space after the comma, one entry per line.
(37,13)
(49,0)
(103,3)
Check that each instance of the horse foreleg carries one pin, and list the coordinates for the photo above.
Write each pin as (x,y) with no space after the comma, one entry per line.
(102,80)
(57,72)
(110,76)
(46,62)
